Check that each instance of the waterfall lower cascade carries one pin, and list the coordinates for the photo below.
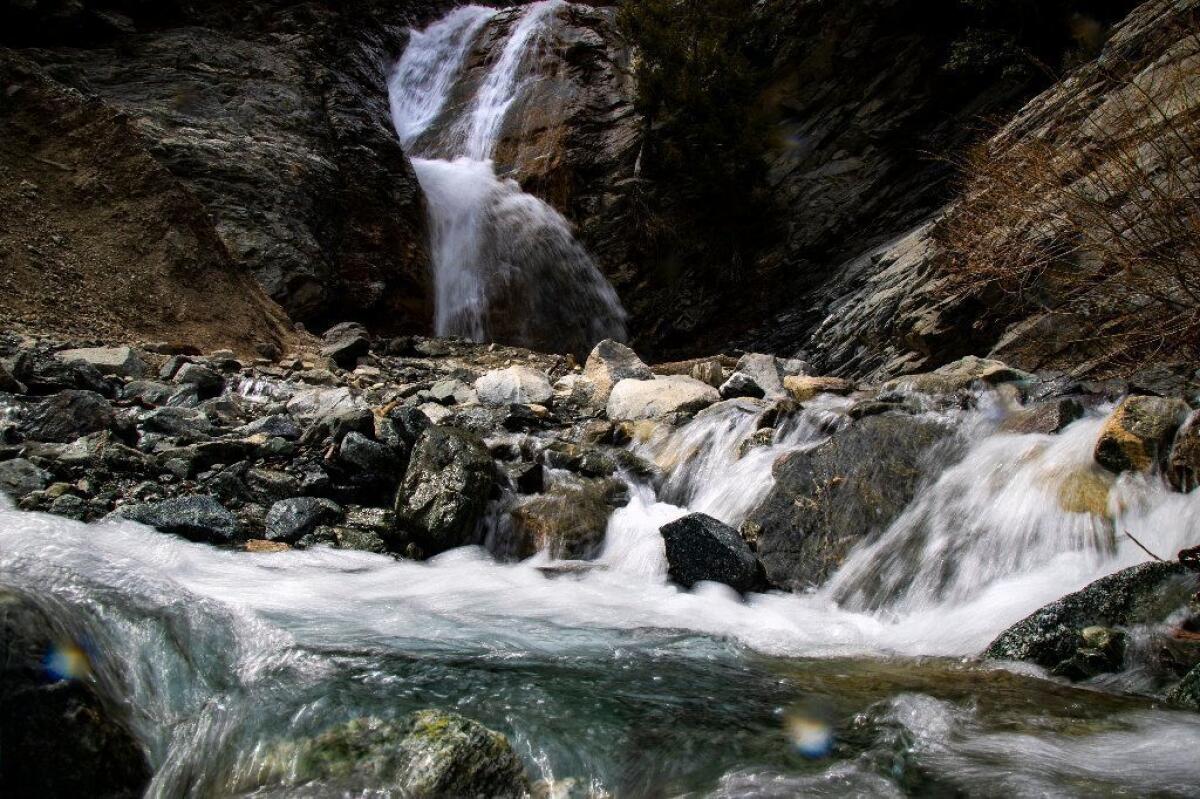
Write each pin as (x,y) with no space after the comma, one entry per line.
(506,265)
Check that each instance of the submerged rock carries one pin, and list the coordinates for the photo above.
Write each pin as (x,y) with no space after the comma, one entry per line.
(1137,435)
(701,548)
(427,754)
(57,735)
(195,517)
(1051,637)
(830,498)
(516,385)
(649,399)
(445,490)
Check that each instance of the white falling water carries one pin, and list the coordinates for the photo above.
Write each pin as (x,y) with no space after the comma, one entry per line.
(506,265)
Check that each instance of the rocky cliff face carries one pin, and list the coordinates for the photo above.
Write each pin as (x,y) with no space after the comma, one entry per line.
(274,115)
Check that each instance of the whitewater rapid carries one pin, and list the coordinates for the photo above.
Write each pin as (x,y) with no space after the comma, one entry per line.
(506,265)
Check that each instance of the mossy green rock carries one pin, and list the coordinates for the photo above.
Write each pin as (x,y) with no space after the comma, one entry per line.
(1050,637)
(426,754)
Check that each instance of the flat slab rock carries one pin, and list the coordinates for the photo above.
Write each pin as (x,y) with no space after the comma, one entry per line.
(649,399)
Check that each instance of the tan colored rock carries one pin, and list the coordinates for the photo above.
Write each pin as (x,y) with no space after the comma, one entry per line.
(1086,491)
(261,546)
(609,363)
(803,388)
(1137,435)
(650,399)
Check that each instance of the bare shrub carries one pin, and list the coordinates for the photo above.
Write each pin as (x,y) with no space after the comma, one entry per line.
(1094,224)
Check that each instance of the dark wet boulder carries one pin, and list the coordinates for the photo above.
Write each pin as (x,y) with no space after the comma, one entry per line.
(8,383)
(19,477)
(44,374)
(445,490)
(830,498)
(1187,692)
(196,518)
(1098,650)
(701,548)
(59,736)
(1051,637)
(1046,417)
(188,424)
(427,754)
(1183,468)
(358,453)
(289,520)
(208,382)
(68,415)
(276,426)
(346,343)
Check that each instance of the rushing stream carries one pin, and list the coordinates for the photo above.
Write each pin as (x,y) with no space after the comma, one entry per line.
(506,265)
(614,680)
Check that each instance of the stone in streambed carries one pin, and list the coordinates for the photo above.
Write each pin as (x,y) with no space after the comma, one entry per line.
(445,490)
(346,343)
(701,548)
(1051,636)
(68,415)
(516,385)
(113,361)
(289,520)
(609,363)
(757,376)
(1186,693)
(426,754)
(1045,418)
(208,382)
(1137,435)
(19,477)
(649,399)
(196,518)
(1183,467)
(802,388)
(568,522)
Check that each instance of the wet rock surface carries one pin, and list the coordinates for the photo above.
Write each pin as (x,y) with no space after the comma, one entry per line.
(830,498)
(701,548)
(58,735)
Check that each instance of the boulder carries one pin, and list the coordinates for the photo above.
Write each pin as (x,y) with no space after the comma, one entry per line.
(1137,435)
(317,403)
(208,382)
(516,385)
(47,375)
(959,375)
(196,518)
(1045,417)
(427,754)
(647,399)
(609,363)
(289,520)
(701,548)
(756,375)
(445,490)
(8,383)
(802,388)
(828,499)
(114,361)
(184,423)
(346,343)
(568,522)
(710,372)
(1186,693)
(1183,466)
(1099,650)
(1051,636)
(58,735)
(19,477)
(68,415)
(360,454)
(278,425)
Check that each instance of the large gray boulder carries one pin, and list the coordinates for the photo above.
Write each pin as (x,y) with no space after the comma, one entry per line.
(196,518)
(445,490)
(19,477)
(58,736)
(830,498)
(346,343)
(757,375)
(426,754)
(114,361)
(516,385)
(289,520)
(609,363)
(68,415)
(649,399)
(701,548)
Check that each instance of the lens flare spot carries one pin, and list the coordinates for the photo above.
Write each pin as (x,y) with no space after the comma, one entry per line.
(812,737)
(67,661)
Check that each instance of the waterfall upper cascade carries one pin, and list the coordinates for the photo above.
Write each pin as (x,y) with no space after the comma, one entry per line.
(506,265)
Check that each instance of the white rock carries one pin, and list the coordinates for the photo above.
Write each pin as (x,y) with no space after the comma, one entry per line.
(516,385)
(434,412)
(647,399)
(609,363)
(756,374)
(119,361)
(320,402)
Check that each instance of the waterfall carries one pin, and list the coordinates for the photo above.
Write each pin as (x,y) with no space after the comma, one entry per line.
(507,266)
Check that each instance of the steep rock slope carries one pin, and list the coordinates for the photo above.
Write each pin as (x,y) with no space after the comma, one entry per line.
(274,115)
(97,239)
(889,311)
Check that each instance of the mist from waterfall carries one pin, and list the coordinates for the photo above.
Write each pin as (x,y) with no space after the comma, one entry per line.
(507,266)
